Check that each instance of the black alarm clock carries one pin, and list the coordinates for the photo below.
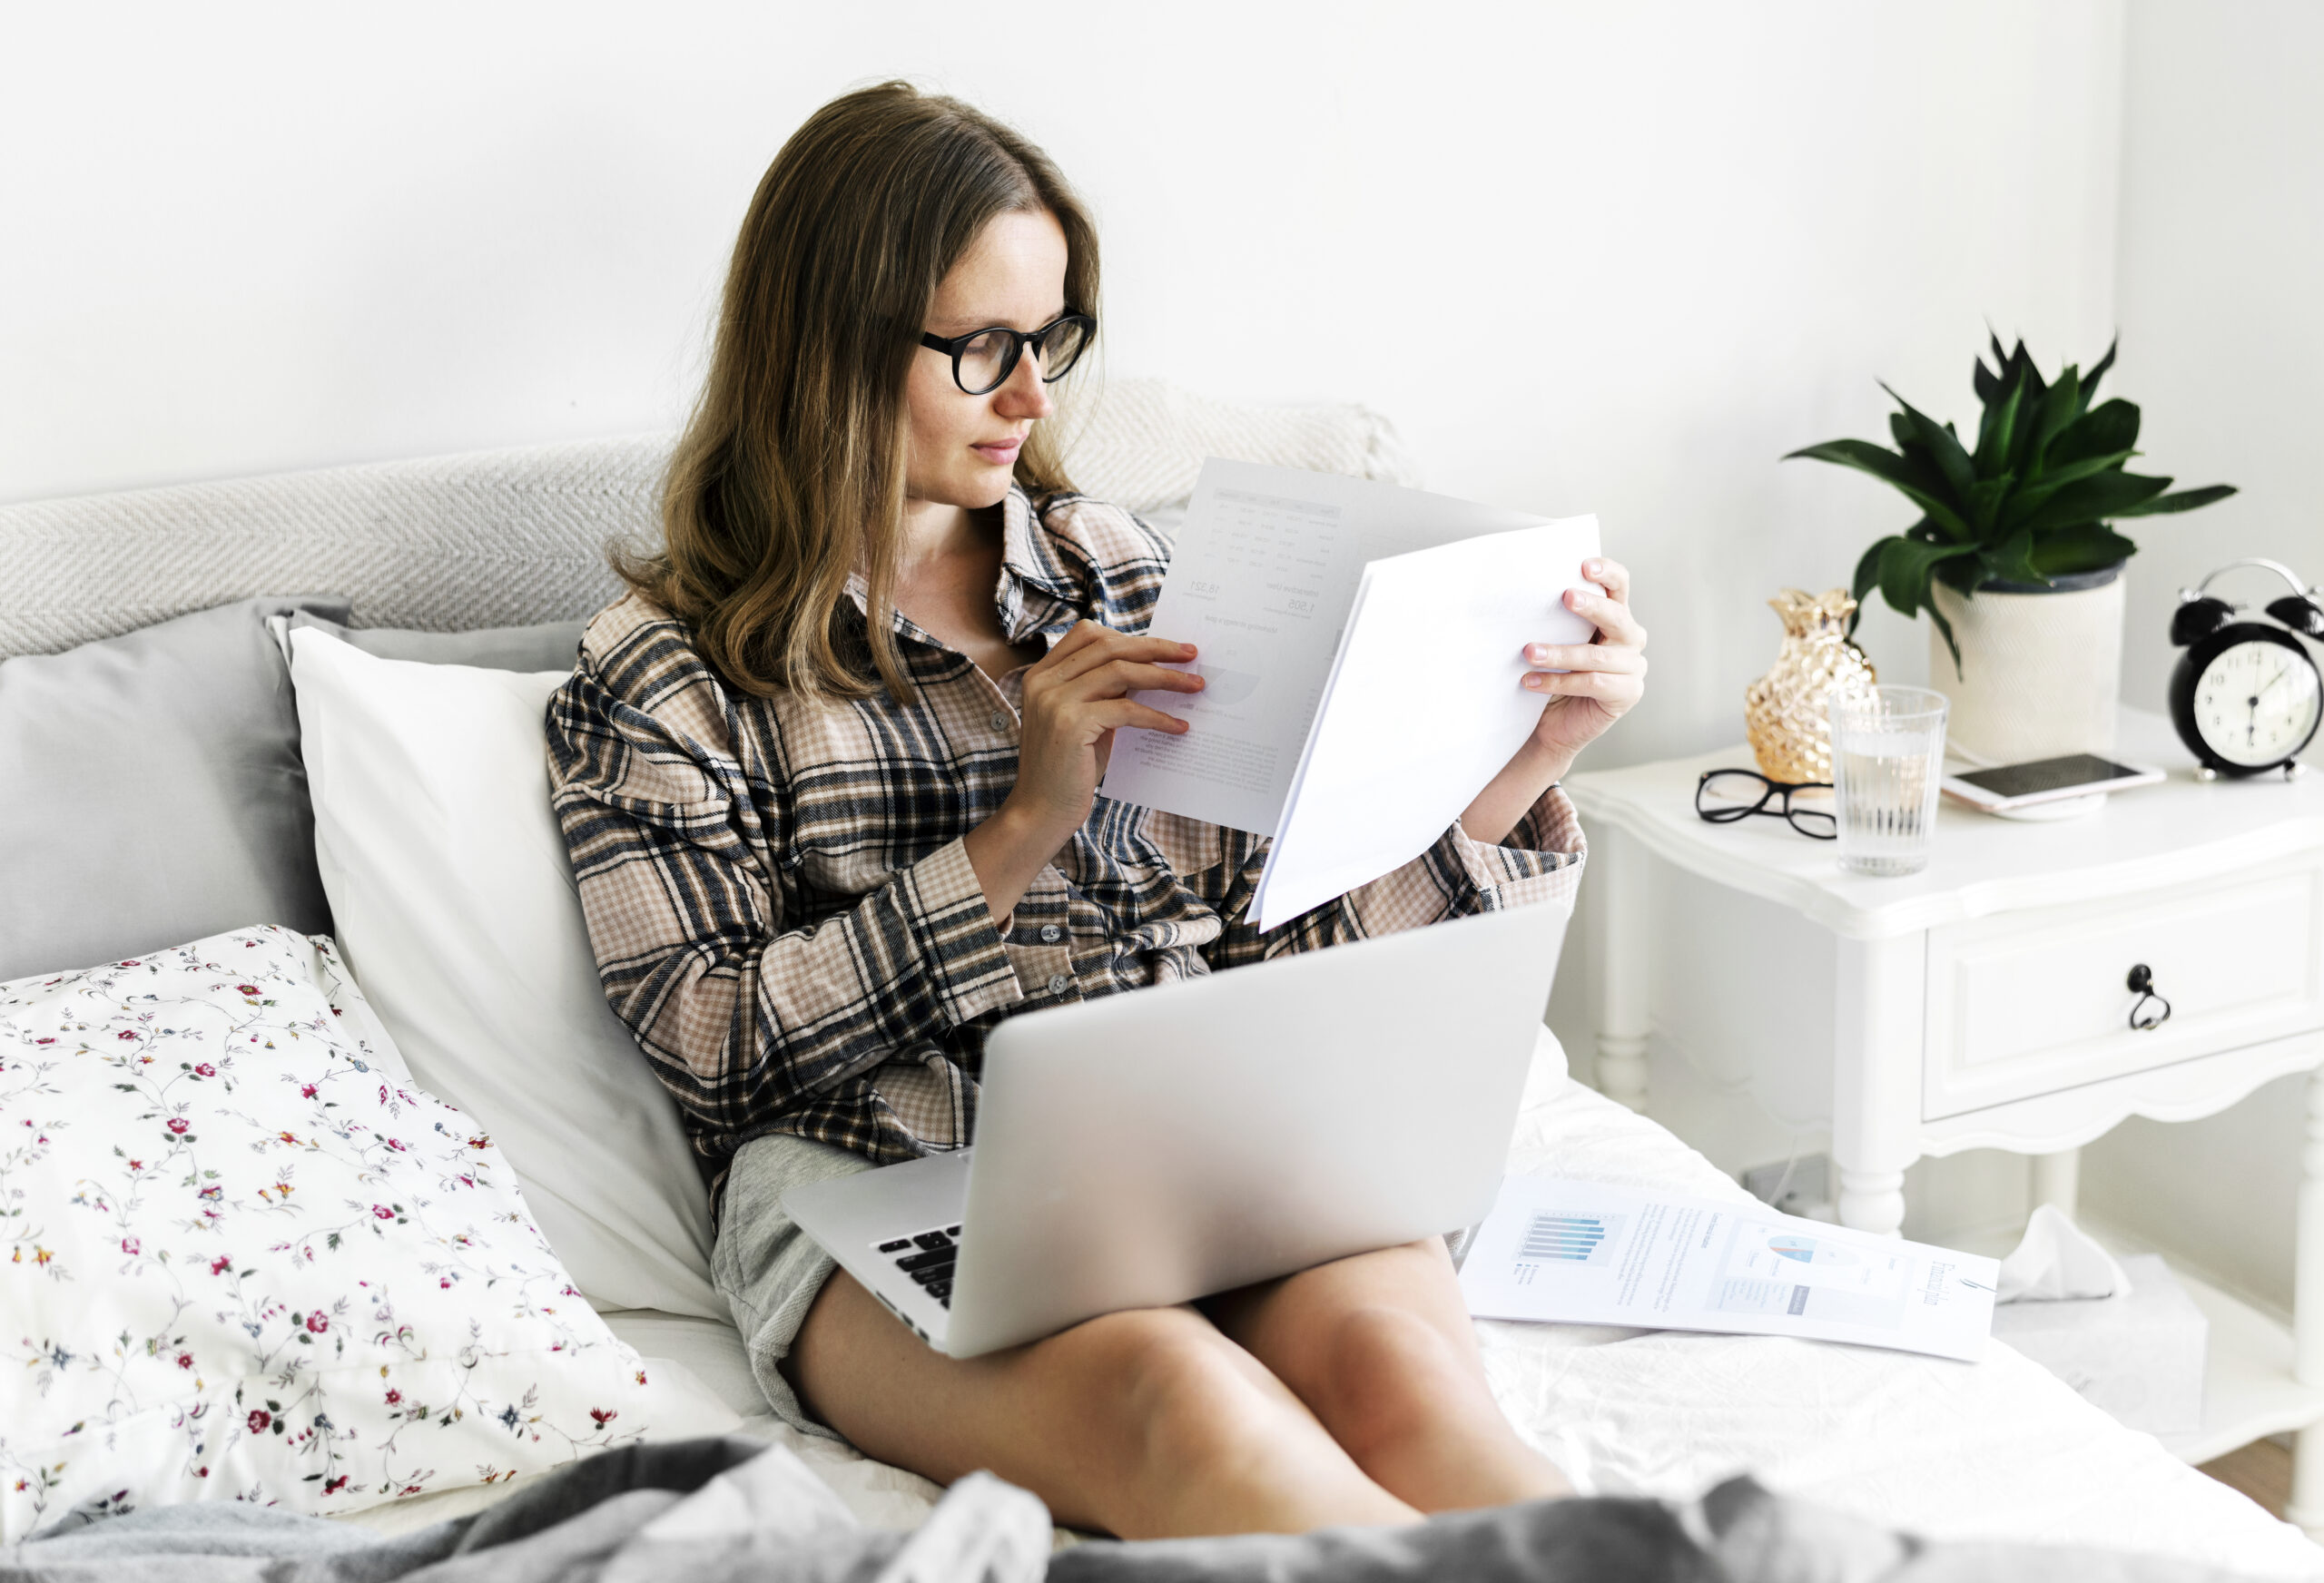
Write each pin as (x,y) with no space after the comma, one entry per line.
(2246,696)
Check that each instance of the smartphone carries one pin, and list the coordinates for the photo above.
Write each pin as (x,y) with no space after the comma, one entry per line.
(2013,786)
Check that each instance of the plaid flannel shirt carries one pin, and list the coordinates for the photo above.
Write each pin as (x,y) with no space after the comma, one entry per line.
(785,915)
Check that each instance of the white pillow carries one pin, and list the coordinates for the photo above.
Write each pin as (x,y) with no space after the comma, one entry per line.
(453,898)
(242,1258)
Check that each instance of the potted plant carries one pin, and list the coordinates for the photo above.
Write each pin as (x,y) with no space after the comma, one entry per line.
(2014,556)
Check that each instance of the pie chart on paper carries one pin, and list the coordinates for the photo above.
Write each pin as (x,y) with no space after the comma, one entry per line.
(1808,1250)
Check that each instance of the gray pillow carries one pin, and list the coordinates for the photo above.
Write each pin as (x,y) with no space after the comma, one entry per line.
(151,793)
(551,646)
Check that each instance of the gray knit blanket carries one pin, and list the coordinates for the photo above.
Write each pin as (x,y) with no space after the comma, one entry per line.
(736,1511)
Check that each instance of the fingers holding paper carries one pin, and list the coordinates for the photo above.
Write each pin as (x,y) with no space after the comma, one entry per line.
(1590,685)
(1586,688)
(1075,698)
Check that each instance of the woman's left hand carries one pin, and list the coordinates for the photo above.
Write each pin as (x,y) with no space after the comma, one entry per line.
(1601,679)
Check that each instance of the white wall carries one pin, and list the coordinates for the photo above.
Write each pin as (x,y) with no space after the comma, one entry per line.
(2221,296)
(1589,258)
(1608,257)
(2221,260)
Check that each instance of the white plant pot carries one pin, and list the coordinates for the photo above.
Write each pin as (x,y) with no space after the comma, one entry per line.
(2039,671)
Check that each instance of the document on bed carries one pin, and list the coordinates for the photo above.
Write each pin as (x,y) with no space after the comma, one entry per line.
(1588,1253)
(1363,646)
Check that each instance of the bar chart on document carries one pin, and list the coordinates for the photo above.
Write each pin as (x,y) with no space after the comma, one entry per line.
(1584,1252)
(1574,1239)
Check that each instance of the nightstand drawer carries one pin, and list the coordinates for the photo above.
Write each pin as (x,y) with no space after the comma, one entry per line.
(2034,1002)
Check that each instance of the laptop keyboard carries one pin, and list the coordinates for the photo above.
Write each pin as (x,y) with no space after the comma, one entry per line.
(928,1258)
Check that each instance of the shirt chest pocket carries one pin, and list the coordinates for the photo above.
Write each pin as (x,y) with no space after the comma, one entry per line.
(1187,847)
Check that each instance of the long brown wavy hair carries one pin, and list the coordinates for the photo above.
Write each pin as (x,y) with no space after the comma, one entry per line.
(790,474)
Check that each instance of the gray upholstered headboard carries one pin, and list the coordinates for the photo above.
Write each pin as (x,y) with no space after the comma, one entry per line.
(499,538)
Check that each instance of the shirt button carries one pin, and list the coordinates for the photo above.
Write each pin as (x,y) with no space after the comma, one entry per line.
(999,722)
(1057,981)
(1052,934)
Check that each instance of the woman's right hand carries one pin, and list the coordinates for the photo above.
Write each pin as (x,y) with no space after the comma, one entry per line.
(1074,698)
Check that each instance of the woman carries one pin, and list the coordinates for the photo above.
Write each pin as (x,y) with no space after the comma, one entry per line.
(828,774)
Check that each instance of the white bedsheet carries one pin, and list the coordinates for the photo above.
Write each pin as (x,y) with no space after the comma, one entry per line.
(2001,1448)
(1998,1450)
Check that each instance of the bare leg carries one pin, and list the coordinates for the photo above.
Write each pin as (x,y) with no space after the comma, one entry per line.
(1145,1424)
(1381,1347)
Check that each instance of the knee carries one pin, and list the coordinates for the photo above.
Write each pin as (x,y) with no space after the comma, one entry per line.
(1385,1372)
(1178,1391)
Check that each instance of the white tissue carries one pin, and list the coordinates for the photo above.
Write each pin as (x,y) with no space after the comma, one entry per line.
(2056,1261)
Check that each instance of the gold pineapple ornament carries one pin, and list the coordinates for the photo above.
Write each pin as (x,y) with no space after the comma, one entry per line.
(1786,711)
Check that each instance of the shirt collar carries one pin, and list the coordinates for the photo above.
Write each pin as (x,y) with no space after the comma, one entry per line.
(1027,549)
(1037,592)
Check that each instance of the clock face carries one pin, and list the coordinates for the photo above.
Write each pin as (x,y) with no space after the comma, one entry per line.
(2256,702)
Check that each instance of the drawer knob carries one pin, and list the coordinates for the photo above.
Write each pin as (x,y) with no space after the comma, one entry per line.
(2141,984)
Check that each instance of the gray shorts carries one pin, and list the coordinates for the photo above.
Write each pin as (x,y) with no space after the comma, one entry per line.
(769,1269)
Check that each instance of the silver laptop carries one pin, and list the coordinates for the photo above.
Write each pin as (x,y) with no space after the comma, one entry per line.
(1148,1148)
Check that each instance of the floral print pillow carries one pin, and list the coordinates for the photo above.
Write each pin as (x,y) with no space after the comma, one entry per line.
(242,1257)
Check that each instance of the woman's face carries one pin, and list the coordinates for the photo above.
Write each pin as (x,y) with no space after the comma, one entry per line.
(961,449)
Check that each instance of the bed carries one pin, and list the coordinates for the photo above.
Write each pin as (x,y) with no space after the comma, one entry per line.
(2001,1449)
(1998,1450)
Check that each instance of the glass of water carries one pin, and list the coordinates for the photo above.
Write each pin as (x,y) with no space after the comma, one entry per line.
(1887,758)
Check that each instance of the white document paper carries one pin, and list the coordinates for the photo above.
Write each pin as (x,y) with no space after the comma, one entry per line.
(1424,704)
(1588,1253)
(1362,644)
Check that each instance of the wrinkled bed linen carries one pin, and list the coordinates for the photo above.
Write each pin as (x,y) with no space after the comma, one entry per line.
(2001,1450)
(736,1511)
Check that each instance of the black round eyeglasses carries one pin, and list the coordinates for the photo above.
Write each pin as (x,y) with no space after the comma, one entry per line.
(1723,796)
(983,359)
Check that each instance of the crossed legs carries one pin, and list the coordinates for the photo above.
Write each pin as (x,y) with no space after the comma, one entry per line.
(1348,1394)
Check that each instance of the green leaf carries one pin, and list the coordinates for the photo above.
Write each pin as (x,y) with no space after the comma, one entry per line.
(2019,366)
(2087,468)
(1863,456)
(1994,432)
(2012,560)
(2094,499)
(1867,576)
(1990,384)
(1963,573)
(2098,369)
(1951,644)
(2022,455)
(2088,548)
(2031,499)
(1905,570)
(1900,473)
(1868,569)
(1952,463)
(1909,475)
(1907,437)
(2185,500)
(2059,408)
(1985,499)
(2109,426)
(1953,523)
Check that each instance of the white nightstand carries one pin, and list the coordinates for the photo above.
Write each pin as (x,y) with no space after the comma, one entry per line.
(1983,1003)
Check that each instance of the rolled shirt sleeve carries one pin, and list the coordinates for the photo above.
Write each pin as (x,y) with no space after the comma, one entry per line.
(1540,863)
